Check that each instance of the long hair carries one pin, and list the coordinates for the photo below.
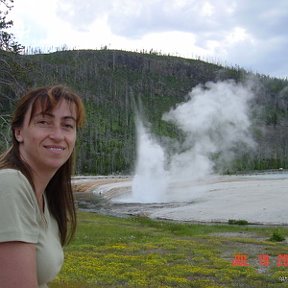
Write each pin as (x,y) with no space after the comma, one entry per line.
(59,190)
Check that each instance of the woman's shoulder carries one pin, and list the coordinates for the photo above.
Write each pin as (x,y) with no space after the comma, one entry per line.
(9,173)
(12,178)
(19,216)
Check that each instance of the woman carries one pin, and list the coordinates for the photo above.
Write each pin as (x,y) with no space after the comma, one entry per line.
(37,213)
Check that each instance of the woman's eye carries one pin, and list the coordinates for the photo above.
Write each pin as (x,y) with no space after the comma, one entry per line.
(69,126)
(43,122)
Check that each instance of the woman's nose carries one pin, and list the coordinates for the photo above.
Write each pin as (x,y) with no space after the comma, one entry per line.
(56,133)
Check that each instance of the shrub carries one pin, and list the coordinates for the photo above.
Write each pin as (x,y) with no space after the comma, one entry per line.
(237,222)
(277,237)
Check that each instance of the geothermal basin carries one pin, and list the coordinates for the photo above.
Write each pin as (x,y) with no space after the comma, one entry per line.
(258,199)
(175,179)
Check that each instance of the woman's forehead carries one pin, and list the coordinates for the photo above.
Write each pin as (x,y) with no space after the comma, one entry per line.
(63,106)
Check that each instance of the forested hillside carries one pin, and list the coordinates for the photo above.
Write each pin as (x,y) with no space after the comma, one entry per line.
(114,83)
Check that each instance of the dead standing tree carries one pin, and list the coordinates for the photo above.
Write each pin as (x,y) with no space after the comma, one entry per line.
(10,71)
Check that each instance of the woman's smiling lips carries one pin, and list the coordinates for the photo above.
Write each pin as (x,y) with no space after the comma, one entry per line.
(55,148)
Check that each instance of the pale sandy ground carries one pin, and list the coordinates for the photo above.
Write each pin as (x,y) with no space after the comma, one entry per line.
(259,199)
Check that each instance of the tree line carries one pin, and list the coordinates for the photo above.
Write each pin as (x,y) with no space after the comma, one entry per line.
(114,83)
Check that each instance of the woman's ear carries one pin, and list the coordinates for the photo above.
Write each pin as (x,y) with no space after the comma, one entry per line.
(18,135)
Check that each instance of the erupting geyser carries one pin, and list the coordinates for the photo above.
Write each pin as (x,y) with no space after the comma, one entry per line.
(150,176)
(215,121)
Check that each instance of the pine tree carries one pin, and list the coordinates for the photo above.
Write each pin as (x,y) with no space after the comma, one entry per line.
(7,40)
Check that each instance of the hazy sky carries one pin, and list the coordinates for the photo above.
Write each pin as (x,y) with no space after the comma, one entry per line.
(250,33)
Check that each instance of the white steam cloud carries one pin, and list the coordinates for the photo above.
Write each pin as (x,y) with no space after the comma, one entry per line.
(150,181)
(214,121)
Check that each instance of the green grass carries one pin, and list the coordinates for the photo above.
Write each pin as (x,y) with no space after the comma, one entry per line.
(140,252)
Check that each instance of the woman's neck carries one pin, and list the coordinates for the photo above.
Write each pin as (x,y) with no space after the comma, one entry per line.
(40,181)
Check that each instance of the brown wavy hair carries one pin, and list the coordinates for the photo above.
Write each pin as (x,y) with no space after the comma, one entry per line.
(59,192)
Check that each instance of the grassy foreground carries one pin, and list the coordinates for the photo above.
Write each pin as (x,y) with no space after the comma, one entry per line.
(139,252)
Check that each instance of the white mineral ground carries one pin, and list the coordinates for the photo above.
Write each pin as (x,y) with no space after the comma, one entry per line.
(258,199)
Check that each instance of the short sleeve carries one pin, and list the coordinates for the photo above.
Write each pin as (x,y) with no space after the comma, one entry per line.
(18,208)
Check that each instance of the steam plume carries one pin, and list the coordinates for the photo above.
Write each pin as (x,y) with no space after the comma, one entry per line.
(214,120)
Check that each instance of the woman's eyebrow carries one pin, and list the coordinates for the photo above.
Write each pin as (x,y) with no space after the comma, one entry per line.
(69,118)
(53,116)
(43,114)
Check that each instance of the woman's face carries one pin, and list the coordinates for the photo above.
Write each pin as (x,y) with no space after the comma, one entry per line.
(47,140)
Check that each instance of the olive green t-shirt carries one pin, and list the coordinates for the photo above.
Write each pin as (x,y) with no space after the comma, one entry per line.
(22,220)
